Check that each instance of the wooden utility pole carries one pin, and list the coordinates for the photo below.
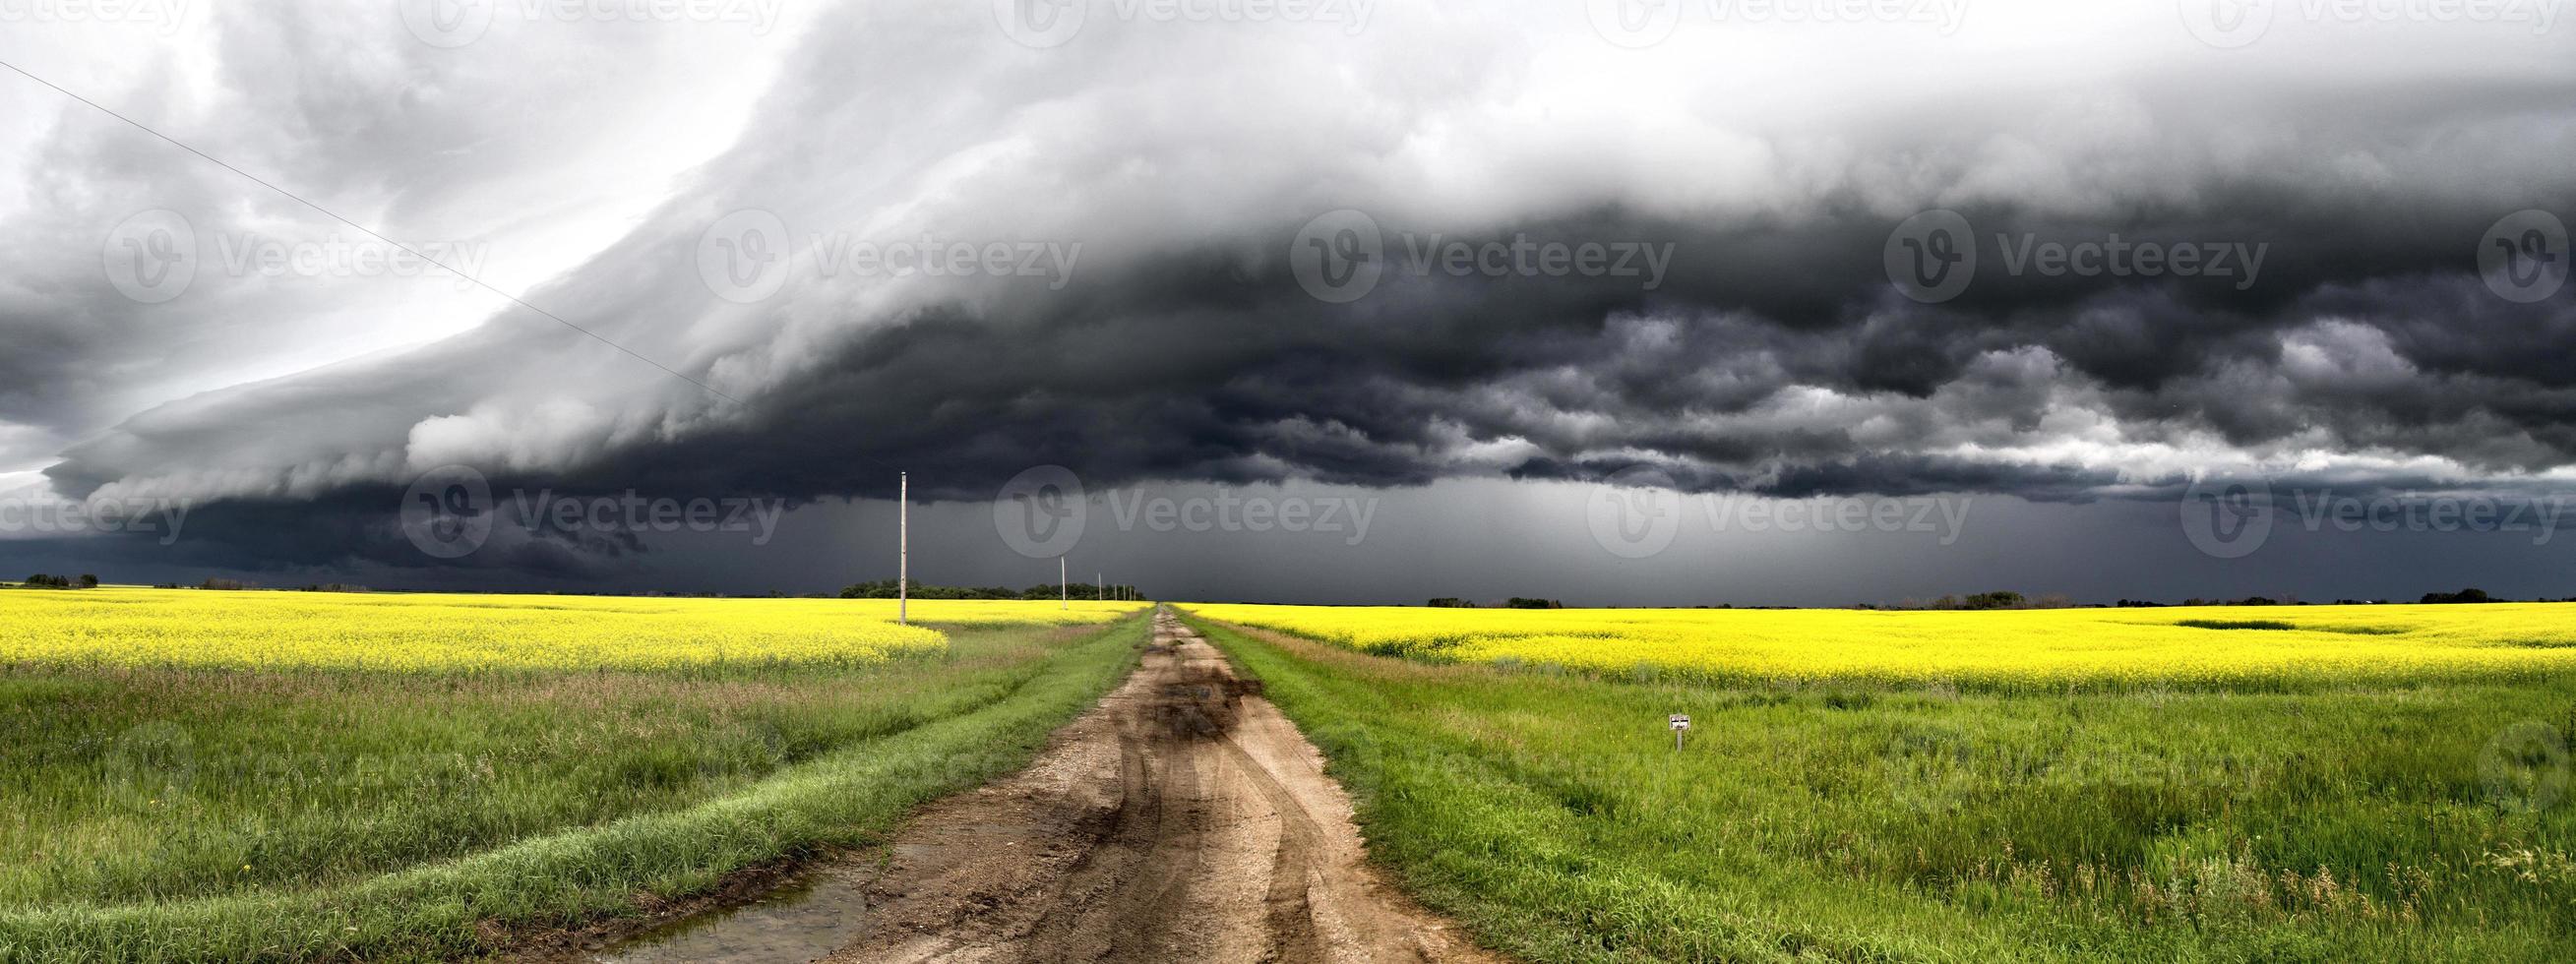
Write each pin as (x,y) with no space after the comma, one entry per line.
(903,550)
(1063,589)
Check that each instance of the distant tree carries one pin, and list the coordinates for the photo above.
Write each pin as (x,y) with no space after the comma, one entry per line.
(1449,602)
(1999,599)
(2469,595)
(886,589)
(1522,602)
(88,581)
(43,581)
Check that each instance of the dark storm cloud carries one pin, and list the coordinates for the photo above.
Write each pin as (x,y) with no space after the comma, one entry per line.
(1754,343)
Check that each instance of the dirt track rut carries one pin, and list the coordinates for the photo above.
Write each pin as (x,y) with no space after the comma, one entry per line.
(1183,819)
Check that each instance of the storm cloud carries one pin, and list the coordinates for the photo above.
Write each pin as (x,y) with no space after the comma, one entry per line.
(1445,242)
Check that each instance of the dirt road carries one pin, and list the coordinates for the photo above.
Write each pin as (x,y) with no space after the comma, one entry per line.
(1183,819)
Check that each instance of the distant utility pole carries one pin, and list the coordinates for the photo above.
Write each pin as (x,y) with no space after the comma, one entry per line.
(1063,589)
(1099,587)
(903,550)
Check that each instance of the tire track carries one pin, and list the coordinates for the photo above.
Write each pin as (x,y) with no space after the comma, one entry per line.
(1182,819)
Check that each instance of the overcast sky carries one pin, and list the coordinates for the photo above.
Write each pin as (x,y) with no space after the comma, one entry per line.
(1699,301)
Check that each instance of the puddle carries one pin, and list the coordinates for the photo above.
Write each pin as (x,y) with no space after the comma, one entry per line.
(796,924)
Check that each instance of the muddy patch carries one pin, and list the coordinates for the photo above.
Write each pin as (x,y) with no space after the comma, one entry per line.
(1183,819)
(1204,708)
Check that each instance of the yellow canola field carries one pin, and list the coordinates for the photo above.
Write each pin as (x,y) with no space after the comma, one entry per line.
(283,630)
(2017,647)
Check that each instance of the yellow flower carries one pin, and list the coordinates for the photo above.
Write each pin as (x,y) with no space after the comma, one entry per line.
(2054,647)
(404,632)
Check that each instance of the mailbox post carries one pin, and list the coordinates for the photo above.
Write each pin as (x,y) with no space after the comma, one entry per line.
(1680,723)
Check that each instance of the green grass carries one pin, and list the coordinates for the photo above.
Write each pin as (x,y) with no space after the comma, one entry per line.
(2272,624)
(200,815)
(1550,813)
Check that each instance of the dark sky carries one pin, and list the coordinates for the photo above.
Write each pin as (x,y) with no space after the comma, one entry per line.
(2003,295)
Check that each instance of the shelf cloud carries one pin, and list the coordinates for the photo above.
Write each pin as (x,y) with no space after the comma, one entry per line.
(2061,256)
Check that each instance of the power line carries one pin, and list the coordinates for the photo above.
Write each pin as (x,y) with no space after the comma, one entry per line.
(370,232)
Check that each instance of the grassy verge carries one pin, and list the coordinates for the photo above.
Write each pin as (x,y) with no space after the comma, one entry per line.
(1552,815)
(209,815)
